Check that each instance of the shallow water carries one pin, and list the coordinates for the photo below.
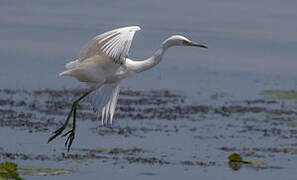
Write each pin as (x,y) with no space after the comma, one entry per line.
(252,47)
(156,135)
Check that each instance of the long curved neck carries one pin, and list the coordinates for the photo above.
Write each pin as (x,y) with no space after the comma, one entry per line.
(140,66)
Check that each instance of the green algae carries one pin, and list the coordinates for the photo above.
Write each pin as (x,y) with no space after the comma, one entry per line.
(236,158)
(236,162)
(8,170)
(36,171)
(280,94)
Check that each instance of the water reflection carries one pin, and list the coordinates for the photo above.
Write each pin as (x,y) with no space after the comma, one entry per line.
(235,165)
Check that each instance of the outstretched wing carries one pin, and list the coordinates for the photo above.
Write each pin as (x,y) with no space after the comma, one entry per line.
(114,44)
(104,101)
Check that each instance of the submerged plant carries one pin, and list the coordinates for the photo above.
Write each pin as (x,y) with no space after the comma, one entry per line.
(8,170)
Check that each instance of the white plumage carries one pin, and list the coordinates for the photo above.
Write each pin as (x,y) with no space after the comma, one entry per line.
(99,59)
(104,101)
(103,63)
(114,44)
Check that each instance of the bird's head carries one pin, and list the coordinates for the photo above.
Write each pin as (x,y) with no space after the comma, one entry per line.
(178,40)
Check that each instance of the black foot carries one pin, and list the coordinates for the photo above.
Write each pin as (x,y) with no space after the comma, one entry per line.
(71,133)
(70,138)
(61,129)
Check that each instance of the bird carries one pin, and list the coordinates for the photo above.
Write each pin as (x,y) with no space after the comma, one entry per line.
(102,64)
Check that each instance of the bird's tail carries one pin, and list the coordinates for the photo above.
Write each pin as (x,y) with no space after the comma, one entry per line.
(70,66)
(64,73)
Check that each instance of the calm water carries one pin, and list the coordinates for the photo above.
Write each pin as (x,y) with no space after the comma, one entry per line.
(38,38)
(252,46)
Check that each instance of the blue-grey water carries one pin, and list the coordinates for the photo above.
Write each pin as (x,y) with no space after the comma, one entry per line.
(252,47)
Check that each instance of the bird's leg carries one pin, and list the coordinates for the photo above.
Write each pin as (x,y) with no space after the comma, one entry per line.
(72,131)
(61,129)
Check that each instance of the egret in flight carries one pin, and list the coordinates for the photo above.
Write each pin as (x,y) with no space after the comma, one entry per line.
(102,64)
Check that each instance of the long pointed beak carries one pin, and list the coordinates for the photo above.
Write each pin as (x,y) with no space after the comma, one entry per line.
(197,45)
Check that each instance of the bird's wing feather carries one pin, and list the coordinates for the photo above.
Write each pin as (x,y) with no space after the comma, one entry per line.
(104,100)
(114,44)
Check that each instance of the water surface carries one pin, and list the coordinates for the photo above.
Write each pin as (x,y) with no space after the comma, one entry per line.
(252,47)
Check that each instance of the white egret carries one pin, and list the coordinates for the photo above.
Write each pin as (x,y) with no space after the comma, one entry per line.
(102,64)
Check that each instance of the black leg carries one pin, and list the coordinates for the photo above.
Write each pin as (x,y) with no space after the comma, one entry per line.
(71,133)
(61,129)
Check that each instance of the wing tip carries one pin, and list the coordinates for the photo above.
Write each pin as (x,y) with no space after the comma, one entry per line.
(132,28)
(137,28)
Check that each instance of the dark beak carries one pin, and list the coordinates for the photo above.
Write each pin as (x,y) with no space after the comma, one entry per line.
(197,45)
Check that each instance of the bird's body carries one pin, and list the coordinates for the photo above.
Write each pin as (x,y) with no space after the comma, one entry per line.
(96,69)
(103,63)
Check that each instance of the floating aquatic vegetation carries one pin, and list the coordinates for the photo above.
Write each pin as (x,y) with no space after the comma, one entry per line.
(236,162)
(280,94)
(35,171)
(8,170)
(276,122)
(251,120)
